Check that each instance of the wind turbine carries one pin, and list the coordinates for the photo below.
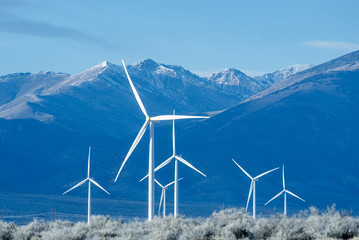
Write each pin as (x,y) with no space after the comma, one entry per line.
(253,186)
(163,196)
(176,158)
(285,191)
(149,121)
(90,180)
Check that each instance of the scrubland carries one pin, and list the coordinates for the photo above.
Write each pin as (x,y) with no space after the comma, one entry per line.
(225,224)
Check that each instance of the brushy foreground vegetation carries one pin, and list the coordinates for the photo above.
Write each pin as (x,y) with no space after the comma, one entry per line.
(226,224)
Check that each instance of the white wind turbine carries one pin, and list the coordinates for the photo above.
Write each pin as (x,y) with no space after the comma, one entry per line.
(90,180)
(149,121)
(163,196)
(253,186)
(285,191)
(176,158)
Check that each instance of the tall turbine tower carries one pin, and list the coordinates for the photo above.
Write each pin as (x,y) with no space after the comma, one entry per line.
(253,186)
(90,180)
(149,121)
(285,191)
(176,158)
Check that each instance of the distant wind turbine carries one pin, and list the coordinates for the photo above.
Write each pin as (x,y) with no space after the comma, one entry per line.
(90,180)
(149,121)
(285,191)
(163,196)
(176,158)
(253,186)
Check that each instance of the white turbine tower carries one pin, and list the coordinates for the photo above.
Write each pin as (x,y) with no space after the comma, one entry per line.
(149,121)
(90,180)
(285,191)
(176,158)
(253,186)
(163,196)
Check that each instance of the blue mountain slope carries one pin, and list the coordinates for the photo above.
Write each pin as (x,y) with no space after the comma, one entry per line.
(311,126)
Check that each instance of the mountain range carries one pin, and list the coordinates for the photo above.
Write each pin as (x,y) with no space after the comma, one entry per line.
(307,121)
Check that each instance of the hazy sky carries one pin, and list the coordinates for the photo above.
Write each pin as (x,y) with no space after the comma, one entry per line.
(202,36)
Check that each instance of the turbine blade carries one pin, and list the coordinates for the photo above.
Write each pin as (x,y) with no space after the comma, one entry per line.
(98,185)
(283,177)
(88,163)
(159,167)
(294,195)
(163,164)
(249,194)
(261,175)
(77,185)
(188,164)
(159,208)
(159,184)
(242,169)
(274,197)
(172,183)
(144,178)
(135,91)
(134,144)
(174,117)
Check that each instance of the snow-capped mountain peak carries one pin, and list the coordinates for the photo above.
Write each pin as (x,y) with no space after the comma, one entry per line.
(236,81)
(102,65)
(229,76)
(98,68)
(147,63)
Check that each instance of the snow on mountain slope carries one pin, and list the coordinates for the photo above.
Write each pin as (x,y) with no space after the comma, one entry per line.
(270,78)
(34,86)
(348,62)
(19,89)
(170,86)
(78,79)
(100,98)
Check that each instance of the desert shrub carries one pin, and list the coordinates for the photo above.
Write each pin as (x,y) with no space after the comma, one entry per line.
(32,231)
(229,224)
(103,227)
(7,230)
(65,230)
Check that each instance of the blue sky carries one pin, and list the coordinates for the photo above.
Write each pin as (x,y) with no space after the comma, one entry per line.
(202,36)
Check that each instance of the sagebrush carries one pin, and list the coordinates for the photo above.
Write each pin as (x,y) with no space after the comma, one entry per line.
(226,224)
